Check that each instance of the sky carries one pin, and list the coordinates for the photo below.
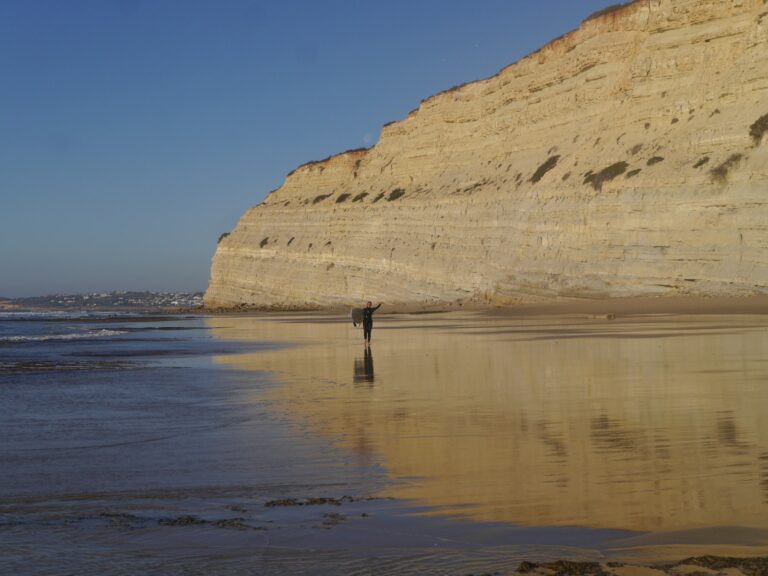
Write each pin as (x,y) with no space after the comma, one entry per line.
(134,132)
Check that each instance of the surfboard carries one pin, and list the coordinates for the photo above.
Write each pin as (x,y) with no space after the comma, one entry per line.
(357,316)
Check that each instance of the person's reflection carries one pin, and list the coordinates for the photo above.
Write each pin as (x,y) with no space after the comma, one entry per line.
(364,368)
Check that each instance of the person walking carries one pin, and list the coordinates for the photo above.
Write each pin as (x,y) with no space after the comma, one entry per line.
(368,321)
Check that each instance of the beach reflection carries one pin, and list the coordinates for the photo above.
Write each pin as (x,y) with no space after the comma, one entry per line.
(651,424)
(363,370)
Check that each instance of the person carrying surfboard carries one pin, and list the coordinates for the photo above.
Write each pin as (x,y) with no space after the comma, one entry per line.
(368,321)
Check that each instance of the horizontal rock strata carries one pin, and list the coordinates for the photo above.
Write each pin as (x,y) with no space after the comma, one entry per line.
(628,157)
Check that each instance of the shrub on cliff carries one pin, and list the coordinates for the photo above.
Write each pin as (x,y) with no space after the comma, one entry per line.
(544,168)
(605,175)
(759,128)
(701,162)
(606,10)
(720,174)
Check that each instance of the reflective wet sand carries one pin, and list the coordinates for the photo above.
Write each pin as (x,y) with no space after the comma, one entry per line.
(652,424)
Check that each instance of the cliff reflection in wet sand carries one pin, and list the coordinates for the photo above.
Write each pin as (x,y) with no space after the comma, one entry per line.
(648,424)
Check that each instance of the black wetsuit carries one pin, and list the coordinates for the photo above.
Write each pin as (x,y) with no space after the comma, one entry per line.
(368,321)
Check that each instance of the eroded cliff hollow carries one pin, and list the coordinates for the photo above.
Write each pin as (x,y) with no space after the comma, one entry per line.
(628,157)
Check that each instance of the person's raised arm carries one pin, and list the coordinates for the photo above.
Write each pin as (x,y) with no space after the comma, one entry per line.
(377,307)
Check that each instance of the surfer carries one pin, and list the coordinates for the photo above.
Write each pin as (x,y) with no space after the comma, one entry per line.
(368,321)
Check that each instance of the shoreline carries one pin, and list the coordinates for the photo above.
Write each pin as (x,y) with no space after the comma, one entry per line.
(608,307)
(600,307)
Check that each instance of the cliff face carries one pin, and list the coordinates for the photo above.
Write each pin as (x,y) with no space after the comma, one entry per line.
(628,157)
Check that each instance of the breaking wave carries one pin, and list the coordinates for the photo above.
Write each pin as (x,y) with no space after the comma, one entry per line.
(71,336)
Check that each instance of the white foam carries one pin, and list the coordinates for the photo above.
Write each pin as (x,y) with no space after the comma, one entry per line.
(72,336)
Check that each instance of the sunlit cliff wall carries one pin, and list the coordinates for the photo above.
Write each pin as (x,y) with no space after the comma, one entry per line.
(627,157)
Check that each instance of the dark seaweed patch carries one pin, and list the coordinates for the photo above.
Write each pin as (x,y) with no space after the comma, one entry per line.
(321,197)
(360,197)
(749,566)
(342,198)
(264,241)
(224,235)
(395,194)
(654,160)
(318,501)
(379,197)
(291,240)
(633,173)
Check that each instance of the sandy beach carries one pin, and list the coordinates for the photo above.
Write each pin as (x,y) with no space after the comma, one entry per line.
(626,437)
(640,415)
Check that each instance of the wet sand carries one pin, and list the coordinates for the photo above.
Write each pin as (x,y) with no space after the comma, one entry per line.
(460,443)
(643,306)
(642,434)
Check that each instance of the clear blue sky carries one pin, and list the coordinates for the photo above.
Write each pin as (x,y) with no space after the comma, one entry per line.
(134,132)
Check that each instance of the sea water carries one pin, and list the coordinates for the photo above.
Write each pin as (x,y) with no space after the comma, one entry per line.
(114,426)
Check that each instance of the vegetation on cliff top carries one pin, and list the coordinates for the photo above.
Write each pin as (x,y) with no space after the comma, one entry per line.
(607,10)
(331,157)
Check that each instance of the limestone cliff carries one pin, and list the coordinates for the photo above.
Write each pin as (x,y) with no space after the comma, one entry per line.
(628,157)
